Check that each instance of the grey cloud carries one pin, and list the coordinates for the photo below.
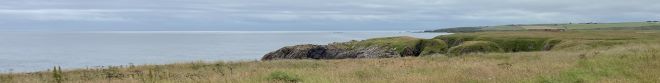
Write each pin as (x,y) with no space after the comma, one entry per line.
(313,14)
(65,14)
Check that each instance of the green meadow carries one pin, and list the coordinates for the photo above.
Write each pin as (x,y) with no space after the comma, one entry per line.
(576,26)
(567,26)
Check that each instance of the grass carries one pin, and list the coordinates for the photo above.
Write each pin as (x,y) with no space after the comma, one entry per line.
(475,47)
(503,28)
(581,56)
(283,76)
(456,39)
(507,44)
(404,45)
(574,26)
(432,46)
(606,25)
(397,43)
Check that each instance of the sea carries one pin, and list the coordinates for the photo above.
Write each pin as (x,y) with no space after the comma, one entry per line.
(39,51)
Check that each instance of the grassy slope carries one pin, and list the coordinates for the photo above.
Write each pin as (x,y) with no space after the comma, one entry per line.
(576,26)
(582,56)
(396,43)
(474,47)
(400,44)
(606,25)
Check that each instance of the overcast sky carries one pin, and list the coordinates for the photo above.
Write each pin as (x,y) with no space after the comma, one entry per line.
(239,15)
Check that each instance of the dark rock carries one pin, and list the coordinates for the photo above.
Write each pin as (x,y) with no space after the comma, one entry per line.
(408,51)
(332,51)
(294,52)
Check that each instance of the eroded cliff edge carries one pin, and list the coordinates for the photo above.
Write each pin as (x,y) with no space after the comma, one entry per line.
(391,47)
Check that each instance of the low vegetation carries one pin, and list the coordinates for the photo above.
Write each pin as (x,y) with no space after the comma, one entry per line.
(506,44)
(575,56)
(475,47)
(283,76)
(653,27)
(406,46)
(432,46)
(459,29)
(648,25)
(399,44)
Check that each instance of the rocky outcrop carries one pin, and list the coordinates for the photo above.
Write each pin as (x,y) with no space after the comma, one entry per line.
(389,47)
(332,51)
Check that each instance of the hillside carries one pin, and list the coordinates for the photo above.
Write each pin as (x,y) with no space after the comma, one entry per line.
(521,56)
(650,25)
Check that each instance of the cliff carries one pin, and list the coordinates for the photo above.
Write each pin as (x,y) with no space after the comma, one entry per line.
(328,52)
(388,47)
(391,47)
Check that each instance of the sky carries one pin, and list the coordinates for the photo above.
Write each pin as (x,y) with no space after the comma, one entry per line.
(308,15)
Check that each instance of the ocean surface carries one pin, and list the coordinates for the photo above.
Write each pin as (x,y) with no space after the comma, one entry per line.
(37,51)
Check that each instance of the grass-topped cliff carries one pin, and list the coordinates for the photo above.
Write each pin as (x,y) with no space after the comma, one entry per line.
(406,46)
(649,25)
(575,56)
(457,44)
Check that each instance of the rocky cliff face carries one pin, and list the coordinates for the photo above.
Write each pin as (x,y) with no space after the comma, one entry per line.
(387,47)
(390,47)
(331,51)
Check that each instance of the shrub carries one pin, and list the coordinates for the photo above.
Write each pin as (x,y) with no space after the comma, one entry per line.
(57,75)
(475,47)
(432,46)
(283,76)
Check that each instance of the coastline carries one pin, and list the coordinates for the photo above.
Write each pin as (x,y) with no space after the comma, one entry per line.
(595,49)
(181,46)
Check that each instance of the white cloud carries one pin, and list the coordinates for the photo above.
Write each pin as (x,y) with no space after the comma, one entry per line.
(322,16)
(512,15)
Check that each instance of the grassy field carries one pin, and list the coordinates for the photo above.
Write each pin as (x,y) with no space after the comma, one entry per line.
(606,25)
(573,26)
(581,56)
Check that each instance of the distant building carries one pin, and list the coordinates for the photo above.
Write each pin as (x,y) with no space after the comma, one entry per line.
(543,28)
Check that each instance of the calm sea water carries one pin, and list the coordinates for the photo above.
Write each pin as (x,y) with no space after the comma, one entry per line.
(35,51)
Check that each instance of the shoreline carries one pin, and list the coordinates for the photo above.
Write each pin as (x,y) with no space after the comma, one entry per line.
(178,61)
